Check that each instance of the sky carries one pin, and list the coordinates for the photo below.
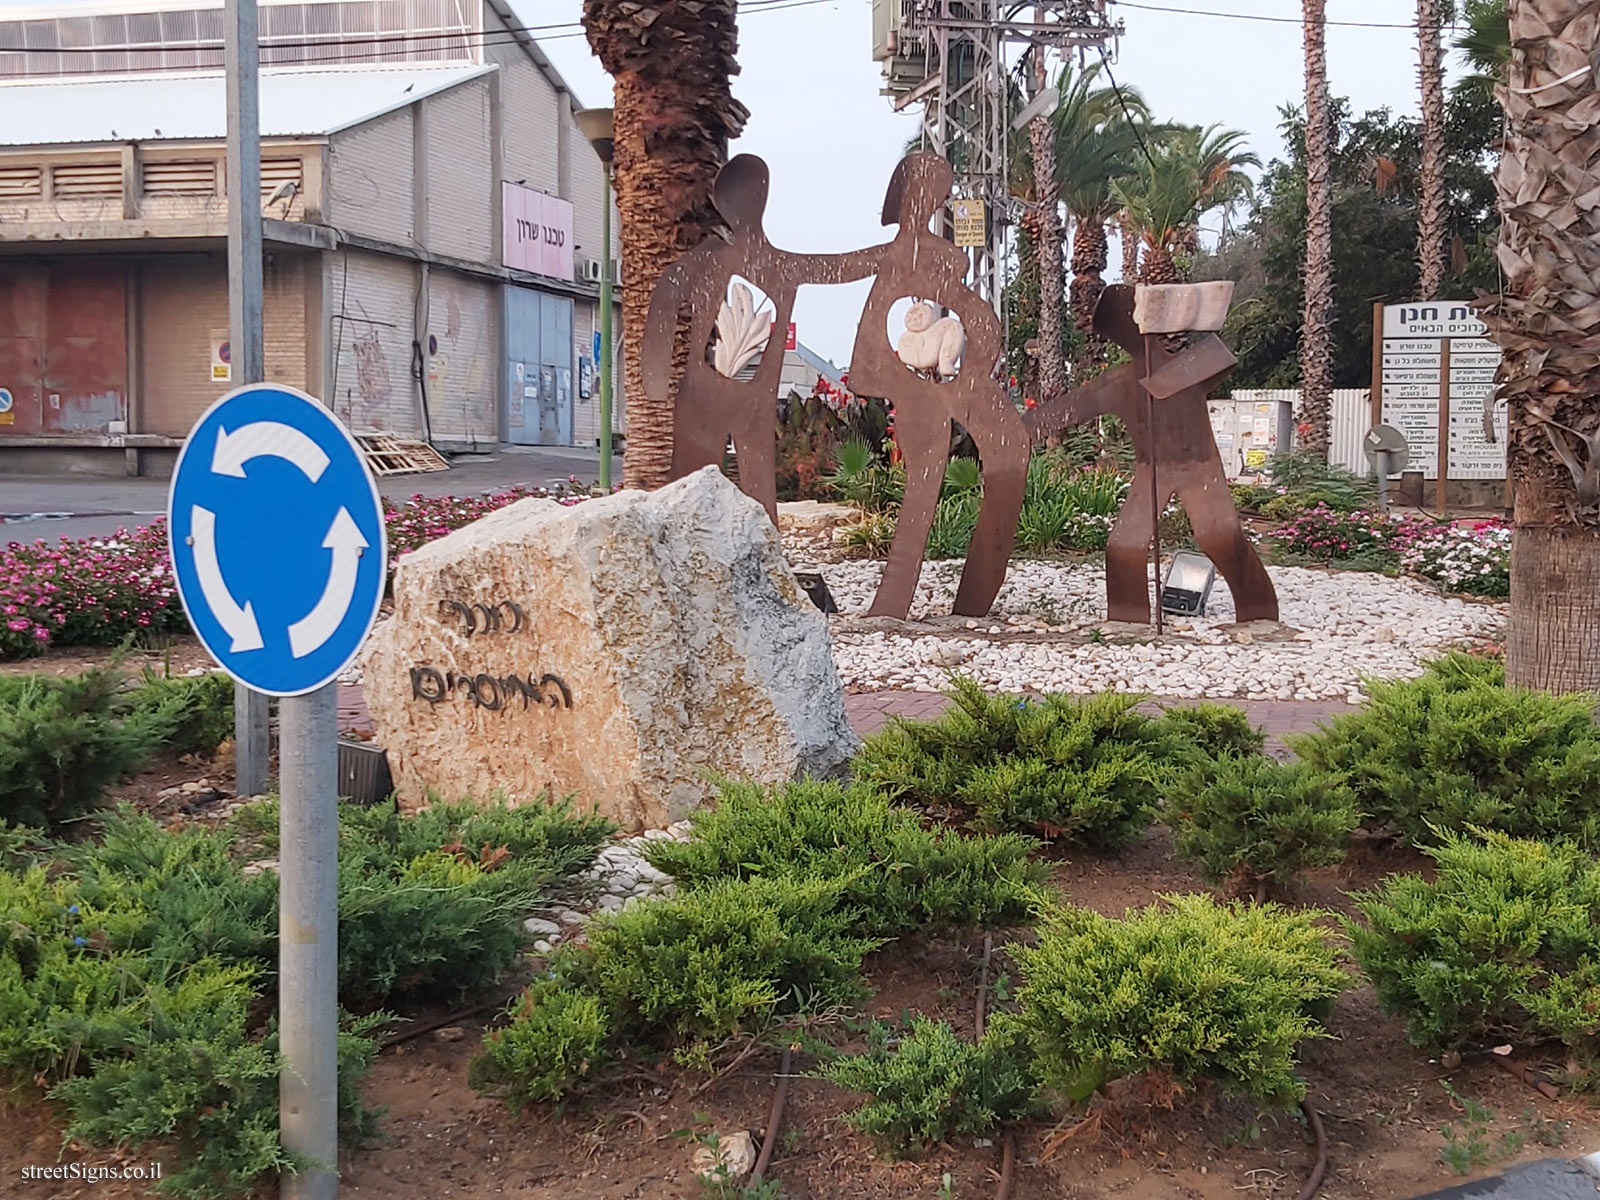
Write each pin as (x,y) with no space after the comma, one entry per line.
(831,140)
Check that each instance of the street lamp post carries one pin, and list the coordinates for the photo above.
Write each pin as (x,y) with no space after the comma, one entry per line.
(596,126)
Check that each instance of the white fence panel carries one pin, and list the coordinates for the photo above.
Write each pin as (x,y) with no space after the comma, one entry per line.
(1352,417)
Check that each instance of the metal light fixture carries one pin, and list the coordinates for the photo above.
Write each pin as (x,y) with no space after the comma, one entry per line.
(595,124)
(1188,582)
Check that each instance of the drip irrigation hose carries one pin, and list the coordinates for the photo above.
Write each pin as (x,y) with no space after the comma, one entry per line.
(774,1118)
(1008,1168)
(416,1031)
(981,1010)
(1321,1170)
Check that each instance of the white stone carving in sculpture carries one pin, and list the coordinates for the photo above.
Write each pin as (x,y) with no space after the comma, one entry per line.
(742,333)
(929,343)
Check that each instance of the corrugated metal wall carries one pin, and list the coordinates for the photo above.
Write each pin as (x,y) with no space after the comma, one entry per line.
(371,318)
(529,122)
(1352,417)
(463,373)
(369,178)
(183,306)
(460,173)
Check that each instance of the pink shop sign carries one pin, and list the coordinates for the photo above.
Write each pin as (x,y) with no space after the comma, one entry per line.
(538,231)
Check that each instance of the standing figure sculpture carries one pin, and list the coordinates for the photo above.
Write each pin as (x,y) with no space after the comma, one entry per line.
(1177,450)
(710,406)
(923,266)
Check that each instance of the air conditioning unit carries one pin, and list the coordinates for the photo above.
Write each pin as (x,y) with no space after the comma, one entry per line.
(591,270)
(616,270)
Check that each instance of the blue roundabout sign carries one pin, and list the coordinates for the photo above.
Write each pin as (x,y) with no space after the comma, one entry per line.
(277,539)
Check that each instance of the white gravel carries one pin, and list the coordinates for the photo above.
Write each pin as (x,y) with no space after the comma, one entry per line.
(1337,628)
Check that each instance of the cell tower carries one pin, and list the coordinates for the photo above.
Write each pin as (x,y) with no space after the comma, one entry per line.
(950,56)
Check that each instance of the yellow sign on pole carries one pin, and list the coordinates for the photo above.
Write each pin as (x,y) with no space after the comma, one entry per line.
(971,228)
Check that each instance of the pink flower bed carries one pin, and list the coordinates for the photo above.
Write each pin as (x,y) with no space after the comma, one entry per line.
(102,591)
(86,591)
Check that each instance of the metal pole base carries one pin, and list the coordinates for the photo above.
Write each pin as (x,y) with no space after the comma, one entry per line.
(308,950)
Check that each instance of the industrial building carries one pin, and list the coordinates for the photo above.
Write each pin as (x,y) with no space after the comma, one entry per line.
(432,228)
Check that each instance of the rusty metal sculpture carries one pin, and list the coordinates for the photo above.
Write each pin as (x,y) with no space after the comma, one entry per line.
(710,407)
(1160,397)
(924,266)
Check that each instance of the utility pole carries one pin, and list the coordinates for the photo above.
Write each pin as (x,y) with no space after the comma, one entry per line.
(246,352)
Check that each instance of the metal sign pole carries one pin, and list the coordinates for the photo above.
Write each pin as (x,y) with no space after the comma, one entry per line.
(308,956)
(246,354)
(605,328)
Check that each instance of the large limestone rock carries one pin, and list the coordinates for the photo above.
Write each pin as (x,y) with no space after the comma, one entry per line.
(621,648)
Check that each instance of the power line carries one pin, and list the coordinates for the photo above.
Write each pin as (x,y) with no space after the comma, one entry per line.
(1126,115)
(1237,16)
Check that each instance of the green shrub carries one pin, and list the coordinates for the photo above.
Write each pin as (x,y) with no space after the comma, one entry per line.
(429,905)
(1502,945)
(730,957)
(1311,479)
(1082,770)
(954,521)
(1190,989)
(137,1045)
(63,739)
(725,957)
(1456,749)
(1253,820)
(557,1037)
(1210,730)
(135,971)
(205,704)
(862,478)
(931,1086)
(896,875)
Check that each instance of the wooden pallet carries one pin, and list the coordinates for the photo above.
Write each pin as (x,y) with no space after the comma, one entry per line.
(387,454)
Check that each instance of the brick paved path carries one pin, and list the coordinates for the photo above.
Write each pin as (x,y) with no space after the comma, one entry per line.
(869,711)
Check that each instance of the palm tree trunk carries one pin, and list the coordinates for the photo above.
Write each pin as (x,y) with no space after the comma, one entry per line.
(1430,220)
(1090,254)
(1025,299)
(675,114)
(1130,249)
(1316,340)
(1547,319)
(1158,266)
(1052,275)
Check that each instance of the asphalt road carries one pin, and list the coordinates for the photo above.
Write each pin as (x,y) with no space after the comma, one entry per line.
(49,507)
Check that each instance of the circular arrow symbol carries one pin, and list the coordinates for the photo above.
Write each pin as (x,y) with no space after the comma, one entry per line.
(277,539)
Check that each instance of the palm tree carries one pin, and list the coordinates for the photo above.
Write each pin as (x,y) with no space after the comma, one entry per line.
(1547,320)
(1097,142)
(1316,334)
(1179,177)
(1162,203)
(1431,231)
(1486,44)
(1224,183)
(674,115)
